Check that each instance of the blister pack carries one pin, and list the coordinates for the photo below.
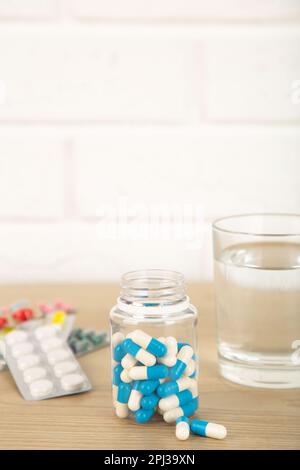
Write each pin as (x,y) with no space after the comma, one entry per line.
(42,364)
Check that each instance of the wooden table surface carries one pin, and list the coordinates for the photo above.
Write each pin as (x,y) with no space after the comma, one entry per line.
(255,418)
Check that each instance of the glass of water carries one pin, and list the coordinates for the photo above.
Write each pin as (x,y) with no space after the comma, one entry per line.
(257,282)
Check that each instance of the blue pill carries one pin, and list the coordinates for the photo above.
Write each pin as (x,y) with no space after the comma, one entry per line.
(157,372)
(168,388)
(177,370)
(156,348)
(123,392)
(143,416)
(116,374)
(190,408)
(130,347)
(149,402)
(119,352)
(198,427)
(148,386)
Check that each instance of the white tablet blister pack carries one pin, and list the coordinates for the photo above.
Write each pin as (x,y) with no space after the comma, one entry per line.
(42,364)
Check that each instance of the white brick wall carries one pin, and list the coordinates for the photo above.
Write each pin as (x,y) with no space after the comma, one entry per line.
(148,104)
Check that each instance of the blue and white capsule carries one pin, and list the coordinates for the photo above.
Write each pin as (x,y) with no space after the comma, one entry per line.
(149,373)
(138,352)
(151,345)
(170,358)
(206,429)
(128,361)
(183,357)
(180,399)
(182,428)
(172,388)
(121,404)
(134,402)
(186,410)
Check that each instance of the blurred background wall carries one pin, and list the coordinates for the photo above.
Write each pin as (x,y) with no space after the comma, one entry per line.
(126,127)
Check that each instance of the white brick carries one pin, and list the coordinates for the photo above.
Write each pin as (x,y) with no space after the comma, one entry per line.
(250,76)
(75,75)
(31,177)
(223,171)
(28,9)
(187,9)
(76,252)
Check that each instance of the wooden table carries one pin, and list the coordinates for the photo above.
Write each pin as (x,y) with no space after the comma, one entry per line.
(255,418)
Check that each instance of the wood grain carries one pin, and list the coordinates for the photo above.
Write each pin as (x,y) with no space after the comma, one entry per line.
(255,419)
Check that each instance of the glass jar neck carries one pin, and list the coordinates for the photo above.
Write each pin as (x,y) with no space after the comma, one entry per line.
(153,291)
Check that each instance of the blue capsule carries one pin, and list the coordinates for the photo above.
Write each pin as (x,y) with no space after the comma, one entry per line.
(116,374)
(130,347)
(149,402)
(119,352)
(190,408)
(123,392)
(147,387)
(168,388)
(157,372)
(156,348)
(143,416)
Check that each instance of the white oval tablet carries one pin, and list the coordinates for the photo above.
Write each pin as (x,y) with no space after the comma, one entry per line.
(16,337)
(41,388)
(63,368)
(30,360)
(20,349)
(58,355)
(72,382)
(51,343)
(46,331)
(34,373)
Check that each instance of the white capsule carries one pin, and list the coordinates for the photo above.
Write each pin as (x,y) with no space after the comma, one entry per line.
(170,358)
(171,415)
(46,331)
(122,410)
(65,367)
(141,338)
(184,383)
(34,373)
(138,373)
(182,431)
(30,360)
(16,337)
(58,355)
(51,343)
(185,354)
(134,402)
(117,338)
(216,431)
(72,382)
(41,388)
(125,377)
(128,361)
(168,403)
(21,349)
(190,368)
(145,358)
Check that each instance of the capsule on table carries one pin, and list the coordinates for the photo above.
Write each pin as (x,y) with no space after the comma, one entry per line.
(138,352)
(170,358)
(206,429)
(180,399)
(151,345)
(186,410)
(182,428)
(150,401)
(143,416)
(128,361)
(148,373)
(134,402)
(121,405)
(171,388)
(183,357)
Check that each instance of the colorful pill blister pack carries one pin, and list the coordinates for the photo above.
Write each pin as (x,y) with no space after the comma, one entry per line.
(83,341)
(43,365)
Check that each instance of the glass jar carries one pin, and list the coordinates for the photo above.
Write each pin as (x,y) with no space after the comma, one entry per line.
(154,346)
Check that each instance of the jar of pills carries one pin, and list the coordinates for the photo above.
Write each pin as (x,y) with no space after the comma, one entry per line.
(154,348)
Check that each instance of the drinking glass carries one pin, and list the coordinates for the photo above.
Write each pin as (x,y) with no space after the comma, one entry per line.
(257,286)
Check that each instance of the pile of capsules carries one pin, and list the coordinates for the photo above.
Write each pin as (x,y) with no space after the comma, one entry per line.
(158,375)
